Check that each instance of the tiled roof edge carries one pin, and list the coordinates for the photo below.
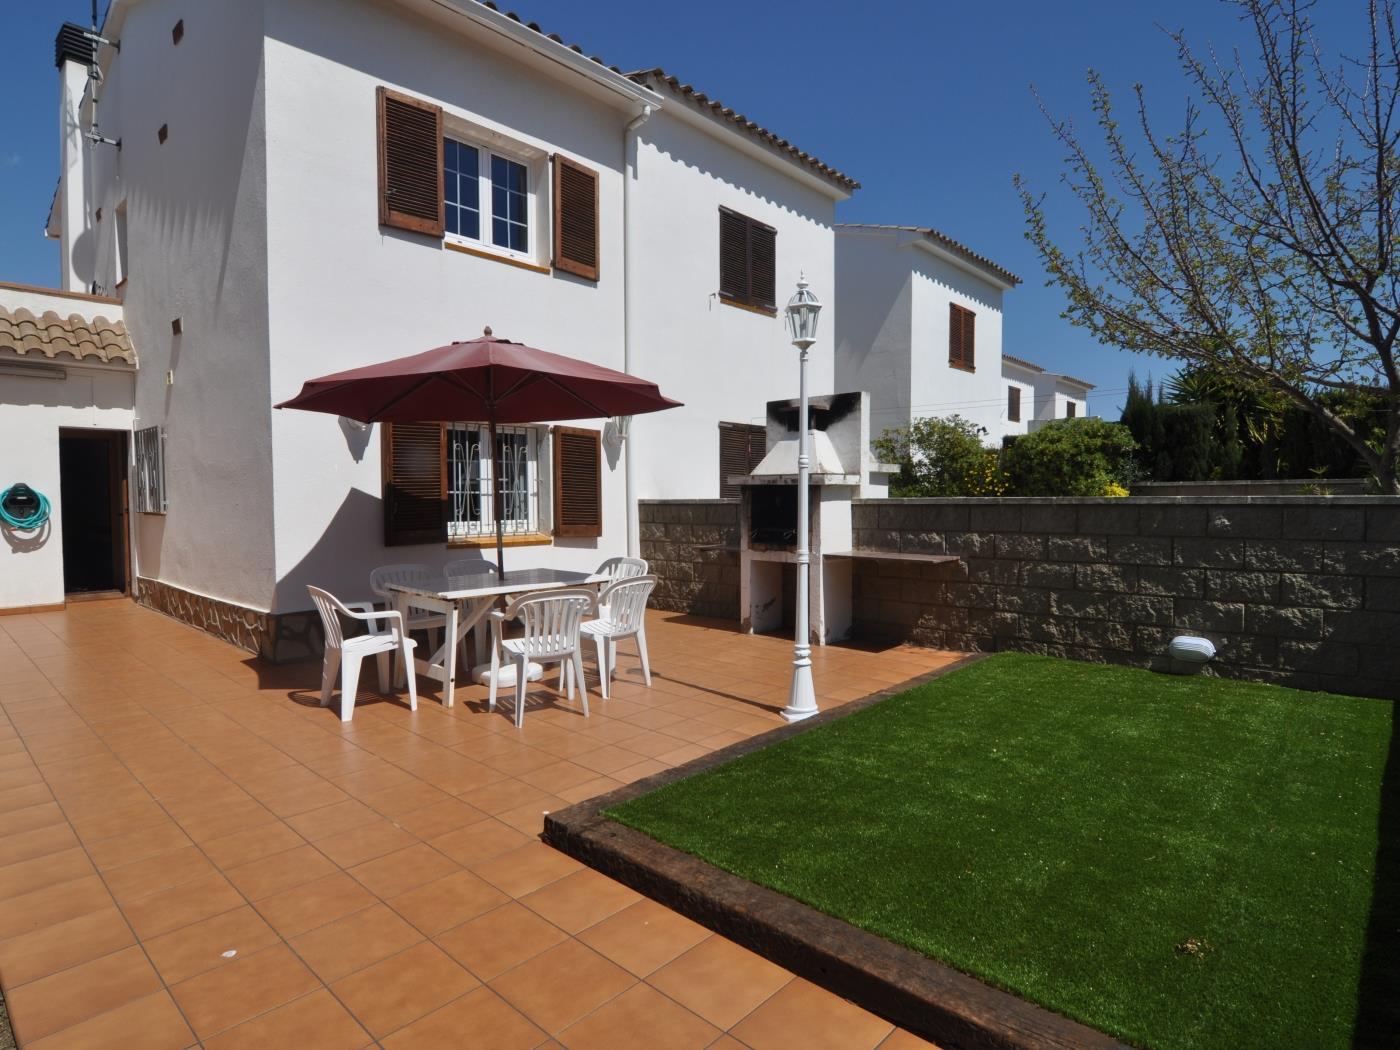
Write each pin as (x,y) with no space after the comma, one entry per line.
(943,240)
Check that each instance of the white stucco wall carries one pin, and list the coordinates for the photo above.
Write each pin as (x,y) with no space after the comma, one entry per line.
(197,251)
(32,412)
(874,286)
(893,333)
(724,362)
(1023,380)
(346,292)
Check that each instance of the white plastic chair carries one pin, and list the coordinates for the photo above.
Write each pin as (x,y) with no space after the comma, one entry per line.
(615,569)
(414,576)
(348,653)
(623,607)
(552,621)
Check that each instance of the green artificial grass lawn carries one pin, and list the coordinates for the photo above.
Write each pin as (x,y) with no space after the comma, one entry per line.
(1180,862)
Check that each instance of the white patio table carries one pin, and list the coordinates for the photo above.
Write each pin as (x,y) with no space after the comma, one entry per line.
(465,601)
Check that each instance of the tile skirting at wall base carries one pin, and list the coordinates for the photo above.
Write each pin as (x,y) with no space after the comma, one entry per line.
(278,637)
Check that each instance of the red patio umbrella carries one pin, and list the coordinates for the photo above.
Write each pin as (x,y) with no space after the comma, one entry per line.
(488,379)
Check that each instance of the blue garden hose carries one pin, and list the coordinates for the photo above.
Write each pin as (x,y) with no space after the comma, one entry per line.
(30,523)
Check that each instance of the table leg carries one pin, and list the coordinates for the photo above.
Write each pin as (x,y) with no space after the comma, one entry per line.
(449,661)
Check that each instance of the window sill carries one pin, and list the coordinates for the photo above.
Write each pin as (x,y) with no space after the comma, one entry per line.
(766,311)
(962,368)
(526,539)
(482,253)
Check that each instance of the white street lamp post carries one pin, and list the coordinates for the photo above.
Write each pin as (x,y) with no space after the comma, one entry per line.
(802,311)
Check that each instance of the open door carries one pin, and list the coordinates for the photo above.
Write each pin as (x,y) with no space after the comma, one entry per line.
(93,511)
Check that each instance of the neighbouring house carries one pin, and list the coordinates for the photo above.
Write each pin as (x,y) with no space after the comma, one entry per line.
(919,325)
(1035,396)
(259,192)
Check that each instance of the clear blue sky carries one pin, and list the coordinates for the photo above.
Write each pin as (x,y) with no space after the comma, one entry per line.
(926,102)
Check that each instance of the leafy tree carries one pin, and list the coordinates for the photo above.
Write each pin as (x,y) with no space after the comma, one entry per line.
(1258,240)
(1070,457)
(941,457)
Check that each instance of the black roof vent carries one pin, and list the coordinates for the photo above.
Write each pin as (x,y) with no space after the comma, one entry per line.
(73,45)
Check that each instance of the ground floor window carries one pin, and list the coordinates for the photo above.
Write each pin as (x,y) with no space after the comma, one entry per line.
(150,471)
(472,473)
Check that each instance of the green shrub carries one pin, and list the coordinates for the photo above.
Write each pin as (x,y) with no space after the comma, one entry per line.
(1069,457)
(941,457)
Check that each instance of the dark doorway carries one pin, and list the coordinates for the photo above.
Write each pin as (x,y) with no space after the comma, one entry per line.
(92,494)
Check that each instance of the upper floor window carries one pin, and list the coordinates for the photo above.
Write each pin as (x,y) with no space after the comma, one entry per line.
(478,183)
(1071,410)
(1013,404)
(962,341)
(747,261)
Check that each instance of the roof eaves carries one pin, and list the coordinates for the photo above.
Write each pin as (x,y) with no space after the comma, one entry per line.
(656,75)
(945,242)
(1022,362)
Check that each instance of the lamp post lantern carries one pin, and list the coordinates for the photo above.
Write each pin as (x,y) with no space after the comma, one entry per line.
(802,311)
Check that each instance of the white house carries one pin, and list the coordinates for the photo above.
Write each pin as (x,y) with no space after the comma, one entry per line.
(264,191)
(1035,396)
(919,325)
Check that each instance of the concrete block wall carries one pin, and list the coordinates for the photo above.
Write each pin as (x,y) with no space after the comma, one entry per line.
(693,548)
(1303,591)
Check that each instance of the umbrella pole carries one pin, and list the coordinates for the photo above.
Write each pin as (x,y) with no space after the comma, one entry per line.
(496,499)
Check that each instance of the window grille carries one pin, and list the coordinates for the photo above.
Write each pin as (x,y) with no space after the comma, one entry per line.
(150,471)
(471,475)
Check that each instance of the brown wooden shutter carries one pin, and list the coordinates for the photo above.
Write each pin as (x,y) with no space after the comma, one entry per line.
(733,256)
(741,448)
(1070,408)
(410,163)
(1013,404)
(578,482)
(961,337)
(575,218)
(969,340)
(414,462)
(762,265)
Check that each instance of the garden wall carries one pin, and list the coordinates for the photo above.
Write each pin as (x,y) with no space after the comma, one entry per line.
(1300,590)
(693,548)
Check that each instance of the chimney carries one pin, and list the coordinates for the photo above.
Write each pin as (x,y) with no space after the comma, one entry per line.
(73,55)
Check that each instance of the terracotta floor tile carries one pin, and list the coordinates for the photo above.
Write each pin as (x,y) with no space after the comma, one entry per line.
(24,797)
(222,998)
(169,909)
(406,798)
(44,815)
(529,817)
(803,1014)
(36,842)
(580,900)
(152,1022)
(557,776)
(120,850)
(644,937)
(447,902)
(304,908)
(440,818)
(281,871)
(590,789)
(200,946)
(71,996)
(526,869)
(57,947)
(44,907)
(480,841)
(358,940)
(331,820)
(47,870)
(363,843)
(899,1039)
(641,1018)
(561,985)
(401,871)
(403,988)
(492,1022)
(720,981)
(243,847)
(500,940)
(313,1022)
(144,877)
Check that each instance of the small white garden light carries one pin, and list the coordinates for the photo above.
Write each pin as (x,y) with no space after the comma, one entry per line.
(1189,653)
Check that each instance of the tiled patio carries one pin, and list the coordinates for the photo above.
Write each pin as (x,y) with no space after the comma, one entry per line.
(193,852)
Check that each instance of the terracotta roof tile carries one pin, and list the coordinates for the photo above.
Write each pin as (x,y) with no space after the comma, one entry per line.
(1022,362)
(1032,366)
(657,76)
(943,241)
(50,335)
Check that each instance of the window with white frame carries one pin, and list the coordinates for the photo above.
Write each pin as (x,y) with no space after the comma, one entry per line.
(487,197)
(150,471)
(471,475)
